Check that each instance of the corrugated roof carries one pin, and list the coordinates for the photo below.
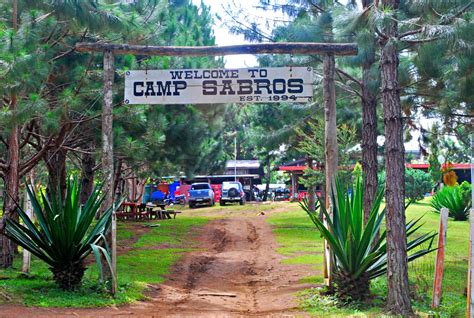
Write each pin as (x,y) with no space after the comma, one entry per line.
(242,164)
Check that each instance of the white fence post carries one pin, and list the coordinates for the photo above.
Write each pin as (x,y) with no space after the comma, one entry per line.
(439,266)
(26,254)
(470,284)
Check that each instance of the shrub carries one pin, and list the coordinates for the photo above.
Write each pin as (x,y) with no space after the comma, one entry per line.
(452,199)
(360,254)
(417,183)
(65,234)
(466,192)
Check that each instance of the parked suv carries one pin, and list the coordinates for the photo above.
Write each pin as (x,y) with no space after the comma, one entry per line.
(232,192)
(200,193)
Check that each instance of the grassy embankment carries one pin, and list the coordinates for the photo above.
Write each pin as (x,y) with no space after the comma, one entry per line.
(148,260)
(301,243)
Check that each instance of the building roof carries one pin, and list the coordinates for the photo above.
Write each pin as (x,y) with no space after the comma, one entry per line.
(408,165)
(242,164)
(427,165)
(255,176)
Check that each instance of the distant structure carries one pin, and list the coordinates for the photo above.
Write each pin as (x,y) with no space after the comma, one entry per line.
(248,172)
(296,168)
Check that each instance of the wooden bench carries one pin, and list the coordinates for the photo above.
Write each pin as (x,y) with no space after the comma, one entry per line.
(162,214)
(168,213)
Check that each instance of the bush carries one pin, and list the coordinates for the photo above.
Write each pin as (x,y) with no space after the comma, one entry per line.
(466,192)
(452,199)
(360,254)
(417,183)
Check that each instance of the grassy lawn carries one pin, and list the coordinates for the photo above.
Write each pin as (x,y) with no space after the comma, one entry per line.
(301,243)
(146,262)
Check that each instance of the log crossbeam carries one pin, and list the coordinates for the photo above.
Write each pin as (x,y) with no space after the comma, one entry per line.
(295,48)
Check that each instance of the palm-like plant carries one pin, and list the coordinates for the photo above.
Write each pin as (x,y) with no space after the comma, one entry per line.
(360,255)
(65,234)
(452,199)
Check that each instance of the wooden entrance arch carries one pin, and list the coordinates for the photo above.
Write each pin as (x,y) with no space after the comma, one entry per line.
(329,50)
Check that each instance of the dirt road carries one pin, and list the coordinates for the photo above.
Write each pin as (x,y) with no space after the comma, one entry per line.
(235,271)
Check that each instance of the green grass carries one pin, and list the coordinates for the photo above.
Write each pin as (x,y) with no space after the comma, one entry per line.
(300,242)
(453,303)
(169,232)
(148,262)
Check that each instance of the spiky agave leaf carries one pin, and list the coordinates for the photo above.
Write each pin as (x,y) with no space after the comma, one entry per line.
(65,234)
(450,198)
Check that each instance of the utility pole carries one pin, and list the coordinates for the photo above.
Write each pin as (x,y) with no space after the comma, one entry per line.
(235,157)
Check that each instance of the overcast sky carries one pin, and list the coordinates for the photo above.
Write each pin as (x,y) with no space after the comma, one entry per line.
(224,37)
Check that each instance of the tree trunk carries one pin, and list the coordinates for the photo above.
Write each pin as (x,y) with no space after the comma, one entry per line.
(330,143)
(56,164)
(118,188)
(369,130)
(108,162)
(267,177)
(15,14)
(398,299)
(12,178)
(311,189)
(87,175)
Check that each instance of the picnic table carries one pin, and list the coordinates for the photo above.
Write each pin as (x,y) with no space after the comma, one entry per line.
(159,211)
(131,211)
(136,211)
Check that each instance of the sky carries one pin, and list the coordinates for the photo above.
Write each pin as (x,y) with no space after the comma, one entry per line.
(224,37)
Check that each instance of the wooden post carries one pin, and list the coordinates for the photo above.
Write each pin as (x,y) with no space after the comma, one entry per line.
(439,266)
(108,159)
(470,276)
(293,188)
(331,147)
(254,48)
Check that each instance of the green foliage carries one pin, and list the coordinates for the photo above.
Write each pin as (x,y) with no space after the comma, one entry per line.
(360,254)
(311,143)
(466,192)
(435,166)
(357,171)
(452,198)
(65,234)
(417,184)
(312,177)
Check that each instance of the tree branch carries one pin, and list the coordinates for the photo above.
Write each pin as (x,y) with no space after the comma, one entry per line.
(29,164)
(412,32)
(422,40)
(349,76)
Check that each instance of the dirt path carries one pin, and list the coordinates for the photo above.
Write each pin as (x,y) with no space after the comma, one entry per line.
(235,272)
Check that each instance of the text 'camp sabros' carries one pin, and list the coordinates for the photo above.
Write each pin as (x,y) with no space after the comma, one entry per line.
(216,86)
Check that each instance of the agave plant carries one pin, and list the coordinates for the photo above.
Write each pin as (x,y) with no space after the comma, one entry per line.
(65,234)
(451,198)
(360,255)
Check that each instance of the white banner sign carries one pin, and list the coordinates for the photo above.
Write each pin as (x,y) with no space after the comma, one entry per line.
(217,86)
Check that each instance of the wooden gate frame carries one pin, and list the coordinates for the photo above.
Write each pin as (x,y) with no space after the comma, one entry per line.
(329,50)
